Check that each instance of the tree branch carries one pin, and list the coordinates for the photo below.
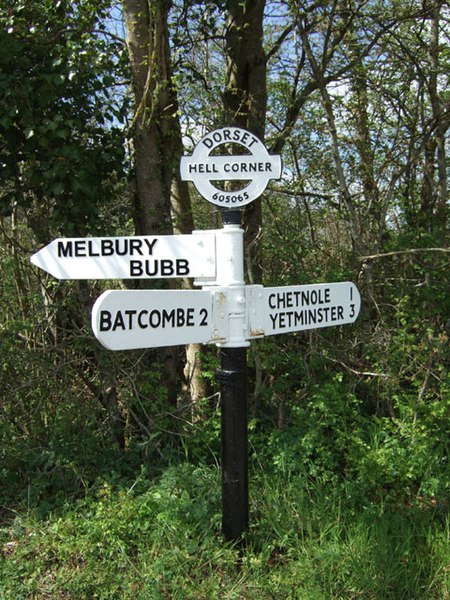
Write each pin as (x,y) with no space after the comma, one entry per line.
(277,44)
(400,252)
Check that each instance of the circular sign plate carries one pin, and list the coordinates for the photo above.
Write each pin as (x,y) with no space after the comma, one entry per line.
(254,169)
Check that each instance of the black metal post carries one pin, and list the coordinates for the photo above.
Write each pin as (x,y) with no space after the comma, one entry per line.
(233,379)
(231,216)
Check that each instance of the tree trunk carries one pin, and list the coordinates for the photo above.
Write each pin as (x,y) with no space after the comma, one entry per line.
(162,200)
(441,125)
(146,25)
(363,142)
(345,195)
(245,101)
(148,47)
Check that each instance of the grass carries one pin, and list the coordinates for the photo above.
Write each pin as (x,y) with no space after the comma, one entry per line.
(161,539)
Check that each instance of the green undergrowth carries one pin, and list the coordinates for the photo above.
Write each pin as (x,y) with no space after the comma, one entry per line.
(161,539)
(343,505)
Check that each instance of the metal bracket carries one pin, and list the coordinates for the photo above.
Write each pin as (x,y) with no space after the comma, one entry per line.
(254,295)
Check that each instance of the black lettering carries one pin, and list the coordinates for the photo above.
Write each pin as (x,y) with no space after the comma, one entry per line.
(168,318)
(148,270)
(204,317)
(105,320)
(182,266)
(190,317)
(80,248)
(121,251)
(91,247)
(141,316)
(180,317)
(65,249)
(136,247)
(107,247)
(166,267)
(299,317)
(340,311)
(119,323)
(282,300)
(136,269)
(154,318)
(130,314)
(272,302)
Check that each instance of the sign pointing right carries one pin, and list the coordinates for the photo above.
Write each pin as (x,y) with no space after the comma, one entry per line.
(301,307)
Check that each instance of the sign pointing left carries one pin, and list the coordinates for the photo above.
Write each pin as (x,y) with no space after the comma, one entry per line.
(131,319)
(134,257)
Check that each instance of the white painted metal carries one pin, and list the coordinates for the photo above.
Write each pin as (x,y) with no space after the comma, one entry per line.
(296,308)
(226,311)
(137,257)
(255,170)
(126,320)
(228,315)
(229,287)
(255,311)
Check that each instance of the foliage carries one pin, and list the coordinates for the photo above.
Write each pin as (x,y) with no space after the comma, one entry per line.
(110,488)
(162,540)
(60,145)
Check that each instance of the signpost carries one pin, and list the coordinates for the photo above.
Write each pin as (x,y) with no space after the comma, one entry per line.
(301,307)
(254,169)
(226,311)
(138,257)
(126,320)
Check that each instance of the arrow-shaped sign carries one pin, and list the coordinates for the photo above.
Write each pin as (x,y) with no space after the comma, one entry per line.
(130,319)
(138,257)
(300,307)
